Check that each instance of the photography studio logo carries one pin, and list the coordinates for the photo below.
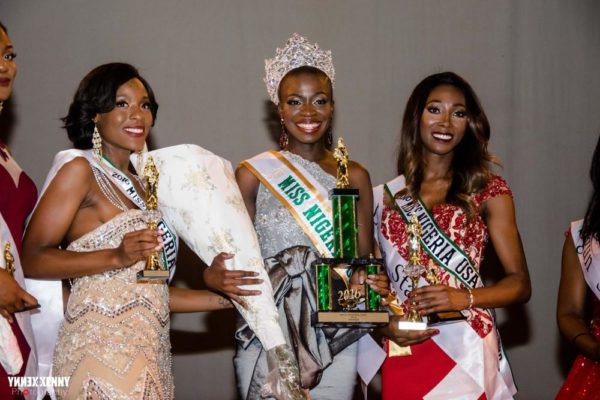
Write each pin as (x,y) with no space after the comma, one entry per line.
(25,383)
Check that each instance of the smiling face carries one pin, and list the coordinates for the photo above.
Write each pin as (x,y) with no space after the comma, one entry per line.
(306,107)
(127,125)
(8,67)
(444,120)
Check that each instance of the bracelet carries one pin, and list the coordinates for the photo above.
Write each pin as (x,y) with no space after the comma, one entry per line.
(579,334)
(470,298)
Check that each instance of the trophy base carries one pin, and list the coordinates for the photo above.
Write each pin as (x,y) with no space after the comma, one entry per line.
(341,303)
(445,318)
(147,275)
(412,325)
(351,319)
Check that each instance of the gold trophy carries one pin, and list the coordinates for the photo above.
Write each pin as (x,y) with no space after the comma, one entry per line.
(413,270)
(340,301)
(155,269)
(9,260)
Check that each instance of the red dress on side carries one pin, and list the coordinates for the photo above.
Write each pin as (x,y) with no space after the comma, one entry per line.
(583,381)
(415,376)
(16,203)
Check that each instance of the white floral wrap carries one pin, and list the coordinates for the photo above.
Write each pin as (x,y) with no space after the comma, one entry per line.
(200,200)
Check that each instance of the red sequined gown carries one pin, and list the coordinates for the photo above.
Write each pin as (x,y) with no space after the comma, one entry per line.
(414,376)
(583,381)
(16,203)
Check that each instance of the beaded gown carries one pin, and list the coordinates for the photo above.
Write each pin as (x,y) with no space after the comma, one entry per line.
(289,252)
(114,341)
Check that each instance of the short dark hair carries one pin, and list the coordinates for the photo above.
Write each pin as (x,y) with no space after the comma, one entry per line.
(96,94)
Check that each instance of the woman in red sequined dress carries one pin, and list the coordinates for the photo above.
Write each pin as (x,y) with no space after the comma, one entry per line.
(17,198)
(445,179)
(580,283)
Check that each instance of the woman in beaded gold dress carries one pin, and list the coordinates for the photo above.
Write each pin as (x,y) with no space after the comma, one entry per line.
(89,228)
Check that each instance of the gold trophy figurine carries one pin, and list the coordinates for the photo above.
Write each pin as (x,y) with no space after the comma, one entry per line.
(413,270)
(9,260)
(154,269)
(433,274)
(341,156)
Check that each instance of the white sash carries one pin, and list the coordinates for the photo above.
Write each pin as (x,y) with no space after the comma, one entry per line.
(47,322)
(300,193)
(480,362)
(122,181)
(588,257)
(435,242)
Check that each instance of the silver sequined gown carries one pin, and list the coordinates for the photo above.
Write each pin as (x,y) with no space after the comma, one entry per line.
(277,230)
(114,340)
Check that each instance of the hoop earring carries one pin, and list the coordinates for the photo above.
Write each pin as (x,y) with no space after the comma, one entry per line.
(1,106)
(283,137)
(96,143)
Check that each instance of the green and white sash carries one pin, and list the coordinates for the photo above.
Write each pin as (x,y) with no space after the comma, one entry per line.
(587,252)
(300,193)
(126,186)
(435,242)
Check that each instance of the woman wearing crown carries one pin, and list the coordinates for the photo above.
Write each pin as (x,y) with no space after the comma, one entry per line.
(275,185)
(446,182)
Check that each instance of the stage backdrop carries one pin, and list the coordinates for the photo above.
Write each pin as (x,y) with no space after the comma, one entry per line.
(534,65)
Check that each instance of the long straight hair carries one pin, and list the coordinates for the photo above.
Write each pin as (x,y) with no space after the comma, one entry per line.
(471,160)
(591,222)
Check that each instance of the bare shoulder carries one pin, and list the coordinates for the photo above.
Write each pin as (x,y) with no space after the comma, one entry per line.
(74,173)
(243,174)
(358,173)
(247,182)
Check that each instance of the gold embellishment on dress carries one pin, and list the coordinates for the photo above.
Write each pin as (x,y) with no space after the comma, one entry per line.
(163,320)
(114,341)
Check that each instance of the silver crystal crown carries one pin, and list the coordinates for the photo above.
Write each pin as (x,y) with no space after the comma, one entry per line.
(298,52)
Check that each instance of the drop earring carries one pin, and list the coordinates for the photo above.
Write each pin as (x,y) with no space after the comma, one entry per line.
(97,143)
(283,137)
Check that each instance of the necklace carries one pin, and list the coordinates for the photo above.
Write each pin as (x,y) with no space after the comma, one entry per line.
(135,177)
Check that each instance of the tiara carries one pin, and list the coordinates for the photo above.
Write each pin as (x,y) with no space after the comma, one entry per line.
(298,52)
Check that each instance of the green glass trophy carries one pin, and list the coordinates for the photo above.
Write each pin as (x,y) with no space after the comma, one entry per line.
(343,299)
